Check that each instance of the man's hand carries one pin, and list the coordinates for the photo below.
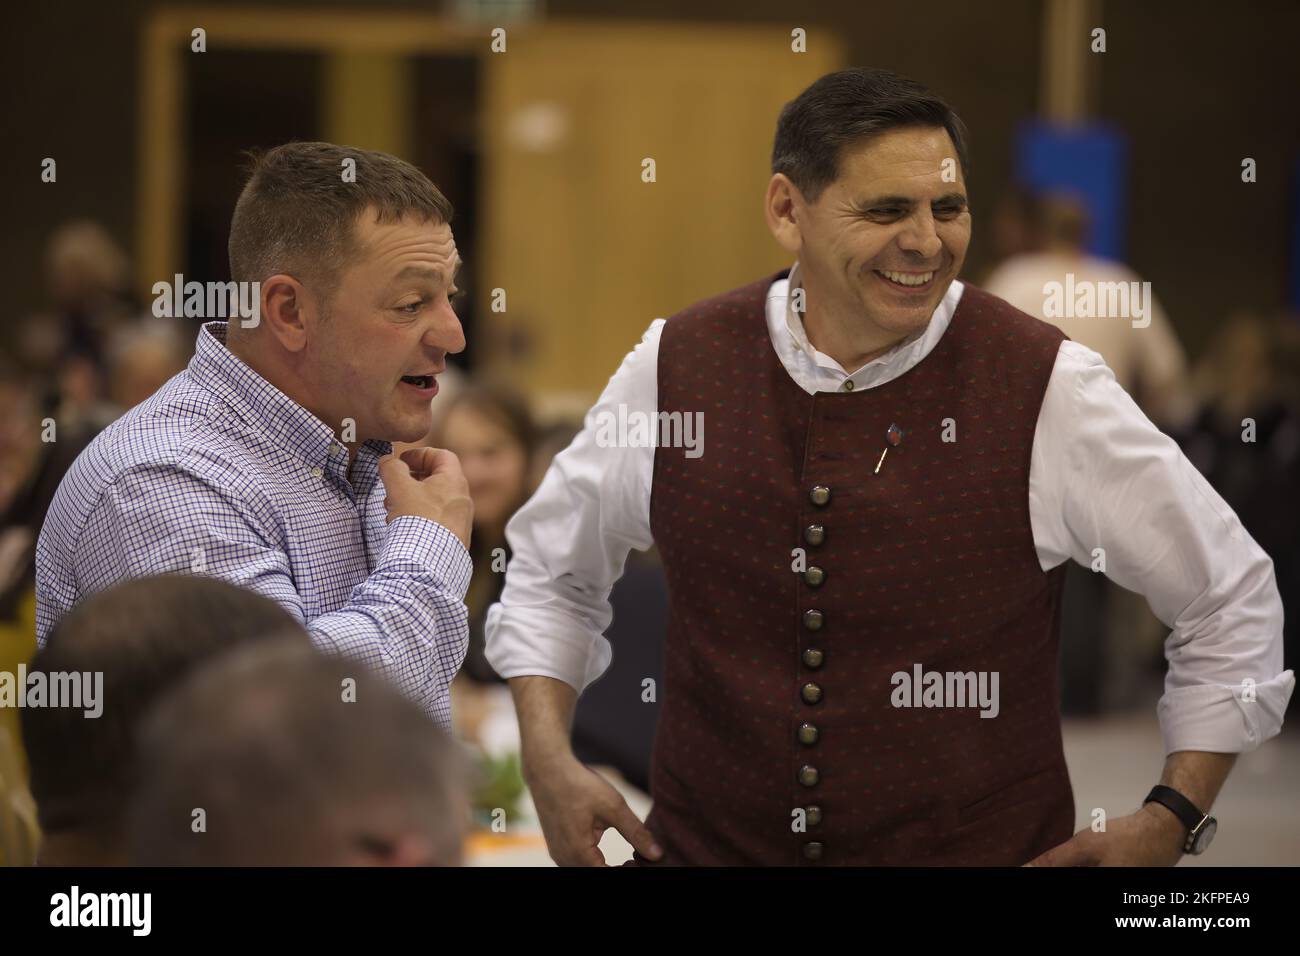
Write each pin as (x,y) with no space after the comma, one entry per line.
(428,483)
(576,806)
(1151,837)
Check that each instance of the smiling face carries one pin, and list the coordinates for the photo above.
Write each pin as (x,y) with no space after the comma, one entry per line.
(386,333)
(881,244)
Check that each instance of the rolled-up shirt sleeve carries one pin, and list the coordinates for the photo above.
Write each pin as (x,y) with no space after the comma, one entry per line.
(407,619)
(569,543)
(1111,491)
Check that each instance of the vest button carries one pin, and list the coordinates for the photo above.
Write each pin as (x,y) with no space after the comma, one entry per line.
(813,658)
(808,734)
(808,776)
(813,815)
(811,693)
(820,496)
(812,850)
(813,619)
(814,534)
(814,576)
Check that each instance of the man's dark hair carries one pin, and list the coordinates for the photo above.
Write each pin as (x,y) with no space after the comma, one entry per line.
(295,758)
(297,214)
(844,108)
(144,636)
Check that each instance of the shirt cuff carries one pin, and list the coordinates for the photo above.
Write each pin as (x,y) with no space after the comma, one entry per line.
(525,642)
(1222,718)
(412,543)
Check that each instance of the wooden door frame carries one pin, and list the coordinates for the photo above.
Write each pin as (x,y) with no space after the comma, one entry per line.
(165,41)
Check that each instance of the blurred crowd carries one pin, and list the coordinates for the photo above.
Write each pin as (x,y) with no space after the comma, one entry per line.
(229,720)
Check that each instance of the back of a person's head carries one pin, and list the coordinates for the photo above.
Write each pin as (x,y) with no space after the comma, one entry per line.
(279,756)
(1063,221)
(119,651)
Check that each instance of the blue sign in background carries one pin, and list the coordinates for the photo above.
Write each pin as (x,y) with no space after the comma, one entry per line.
(1088,161)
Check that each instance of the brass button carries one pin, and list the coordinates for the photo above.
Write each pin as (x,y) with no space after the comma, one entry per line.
(814,534)
(812,850)
(848,385)
(811,693)
(813,658)
(813,619)
(820,496)
(808,734)
(814,576)
(813,815)
(808,776)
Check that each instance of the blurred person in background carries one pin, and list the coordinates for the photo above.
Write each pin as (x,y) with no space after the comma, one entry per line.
(139,357)
(88,283)
(296,759)
(1148,361)
(20,450)
(1245,439)
(490,430)
(65,354)
(144,636)
(20,431)
(1106,631)
(504,454)
(1015,226)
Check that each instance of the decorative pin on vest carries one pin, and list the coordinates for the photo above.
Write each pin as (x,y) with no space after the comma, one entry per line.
(894,437)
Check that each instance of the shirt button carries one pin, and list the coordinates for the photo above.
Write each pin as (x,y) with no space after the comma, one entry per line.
(848,385)
(316,472)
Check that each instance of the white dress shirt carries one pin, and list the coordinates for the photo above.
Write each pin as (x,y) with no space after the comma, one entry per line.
(1101,476)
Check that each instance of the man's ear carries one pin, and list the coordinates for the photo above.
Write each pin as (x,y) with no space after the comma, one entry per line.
(284,302)
(781,208)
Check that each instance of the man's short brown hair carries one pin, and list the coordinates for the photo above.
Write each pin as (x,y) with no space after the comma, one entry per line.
(296,214)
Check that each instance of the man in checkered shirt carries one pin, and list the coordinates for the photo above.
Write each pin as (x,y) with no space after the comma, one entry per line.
(268,462)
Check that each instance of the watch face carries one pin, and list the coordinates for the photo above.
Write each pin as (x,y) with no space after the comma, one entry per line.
(1206,836)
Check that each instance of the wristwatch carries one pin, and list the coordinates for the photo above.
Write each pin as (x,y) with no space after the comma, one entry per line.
(1201,827)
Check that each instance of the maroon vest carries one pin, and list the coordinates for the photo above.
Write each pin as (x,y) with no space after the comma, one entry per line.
(779,692)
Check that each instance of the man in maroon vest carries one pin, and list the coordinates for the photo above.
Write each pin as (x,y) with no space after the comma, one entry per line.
(864,550)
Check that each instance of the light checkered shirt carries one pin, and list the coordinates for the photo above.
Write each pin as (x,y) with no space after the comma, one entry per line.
(221,473)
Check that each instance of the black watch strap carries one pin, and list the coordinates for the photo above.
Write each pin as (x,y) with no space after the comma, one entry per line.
(1184,809)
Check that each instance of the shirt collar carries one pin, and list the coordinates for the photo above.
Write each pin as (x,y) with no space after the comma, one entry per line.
(259,403)
(897,360)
